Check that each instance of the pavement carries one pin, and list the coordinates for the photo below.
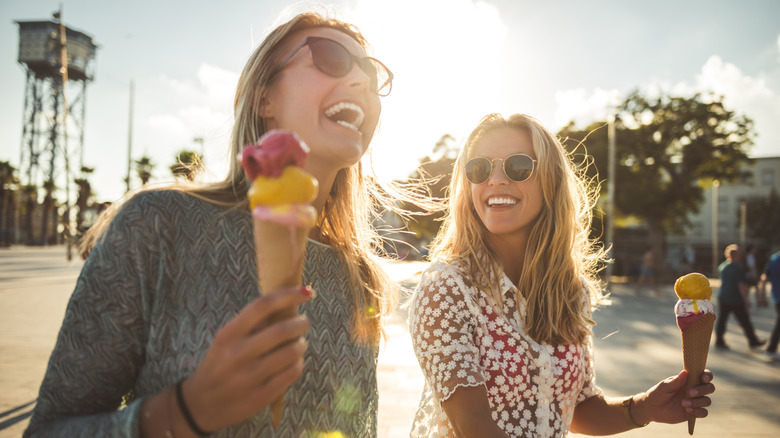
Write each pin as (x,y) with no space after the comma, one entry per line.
(636,342)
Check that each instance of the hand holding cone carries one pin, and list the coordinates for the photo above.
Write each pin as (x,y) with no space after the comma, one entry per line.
(695,318)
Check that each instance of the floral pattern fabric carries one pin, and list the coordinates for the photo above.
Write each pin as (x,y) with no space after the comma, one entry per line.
(462,339)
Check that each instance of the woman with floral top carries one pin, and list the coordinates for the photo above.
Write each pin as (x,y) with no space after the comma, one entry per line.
(501,321)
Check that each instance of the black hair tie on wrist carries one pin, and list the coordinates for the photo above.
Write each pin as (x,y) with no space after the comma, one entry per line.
(186,412)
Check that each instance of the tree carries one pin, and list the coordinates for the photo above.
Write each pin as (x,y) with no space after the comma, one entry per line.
(30,202)
(668,150)
(187,165)
(9,184)
(49,211)
(436,171)
(144,168)
(763,217)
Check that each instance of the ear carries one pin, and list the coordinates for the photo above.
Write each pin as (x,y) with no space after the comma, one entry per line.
(266,107)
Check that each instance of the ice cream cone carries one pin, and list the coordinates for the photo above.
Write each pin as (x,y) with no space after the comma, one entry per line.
(280,197)
(696,346)
(280,256)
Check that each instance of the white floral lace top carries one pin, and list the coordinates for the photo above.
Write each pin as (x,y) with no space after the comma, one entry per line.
(461,339)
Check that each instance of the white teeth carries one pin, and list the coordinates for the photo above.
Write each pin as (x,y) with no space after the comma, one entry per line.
(501,201)
(345,112)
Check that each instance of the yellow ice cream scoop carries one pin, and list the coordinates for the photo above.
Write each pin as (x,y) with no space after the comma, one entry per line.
(693,286)
(295,185)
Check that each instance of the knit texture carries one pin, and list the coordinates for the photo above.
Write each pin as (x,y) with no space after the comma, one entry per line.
(169,271)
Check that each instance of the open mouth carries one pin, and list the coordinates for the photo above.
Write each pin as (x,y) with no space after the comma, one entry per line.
(500,201)
(346,114)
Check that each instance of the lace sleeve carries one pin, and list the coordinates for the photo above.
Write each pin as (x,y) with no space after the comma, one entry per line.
(442,325)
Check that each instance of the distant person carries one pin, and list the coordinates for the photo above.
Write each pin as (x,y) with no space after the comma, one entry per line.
(751,267)
(771,275)
(501,322)
(733,298)
(647,272)
(689,259)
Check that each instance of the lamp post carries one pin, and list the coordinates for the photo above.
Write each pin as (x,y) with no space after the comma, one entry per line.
(715,185)
(64,78)
(610,190)
(130,134)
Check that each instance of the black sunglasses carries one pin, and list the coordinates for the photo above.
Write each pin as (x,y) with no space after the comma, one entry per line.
(336,61)
(517,167)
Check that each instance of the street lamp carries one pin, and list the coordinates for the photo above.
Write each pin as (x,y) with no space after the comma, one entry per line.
(715,185)
(64,74)
(610,190)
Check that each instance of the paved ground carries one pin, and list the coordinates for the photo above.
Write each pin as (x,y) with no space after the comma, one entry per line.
(637,344)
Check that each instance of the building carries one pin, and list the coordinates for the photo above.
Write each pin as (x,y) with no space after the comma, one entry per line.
(728,218)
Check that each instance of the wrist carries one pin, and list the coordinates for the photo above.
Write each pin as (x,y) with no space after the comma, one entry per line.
(633,414)
(184,404)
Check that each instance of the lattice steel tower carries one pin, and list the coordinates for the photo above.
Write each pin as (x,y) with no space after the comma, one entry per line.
(43,148)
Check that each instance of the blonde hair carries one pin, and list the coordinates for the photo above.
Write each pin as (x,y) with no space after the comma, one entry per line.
(559,257)
(345,221)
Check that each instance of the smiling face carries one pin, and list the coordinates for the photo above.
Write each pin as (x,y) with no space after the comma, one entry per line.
(506,208)
(336,117)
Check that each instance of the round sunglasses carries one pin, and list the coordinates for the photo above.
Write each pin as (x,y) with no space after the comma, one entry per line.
(333,59)
(517,167)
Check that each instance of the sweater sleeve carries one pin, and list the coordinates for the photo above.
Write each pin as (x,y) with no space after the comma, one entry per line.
(88,386)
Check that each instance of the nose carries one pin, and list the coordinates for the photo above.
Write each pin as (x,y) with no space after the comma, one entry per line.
(497,176)
(358,78)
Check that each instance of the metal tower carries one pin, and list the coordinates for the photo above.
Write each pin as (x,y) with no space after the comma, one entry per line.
(43,148)
(58,62)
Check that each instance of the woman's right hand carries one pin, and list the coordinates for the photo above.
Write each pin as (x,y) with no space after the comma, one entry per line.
(250,362)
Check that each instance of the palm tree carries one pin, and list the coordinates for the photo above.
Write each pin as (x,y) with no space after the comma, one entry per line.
(85,192)
(30,193)
(48,210)
(144,168)
(8,188)
(188,164)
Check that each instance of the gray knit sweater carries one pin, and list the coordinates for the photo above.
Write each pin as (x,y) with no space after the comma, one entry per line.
(167,274)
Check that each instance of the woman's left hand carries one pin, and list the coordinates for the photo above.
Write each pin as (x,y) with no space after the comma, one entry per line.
(667,402)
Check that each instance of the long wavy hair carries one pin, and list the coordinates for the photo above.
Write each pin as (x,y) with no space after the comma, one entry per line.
(560,258)
(345,221)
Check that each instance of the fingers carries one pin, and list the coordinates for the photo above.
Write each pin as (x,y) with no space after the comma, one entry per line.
(277,384)
(674,383)
(705,388)
(697,406)
(258,310)
(274,363)
(280,333)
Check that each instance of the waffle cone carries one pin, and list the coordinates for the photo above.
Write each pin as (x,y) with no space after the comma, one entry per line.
(280,256)
(696,346)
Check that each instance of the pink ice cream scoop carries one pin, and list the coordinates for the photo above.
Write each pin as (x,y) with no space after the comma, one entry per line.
(274,151)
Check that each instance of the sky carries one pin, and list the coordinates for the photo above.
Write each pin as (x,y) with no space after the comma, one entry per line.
(454,62)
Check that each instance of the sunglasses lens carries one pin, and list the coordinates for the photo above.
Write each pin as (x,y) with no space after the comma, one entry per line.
(478,170)
(518,168)
(330,57)
(336,61)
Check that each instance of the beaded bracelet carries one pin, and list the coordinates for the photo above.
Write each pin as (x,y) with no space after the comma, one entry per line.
(626,405)
(186,412)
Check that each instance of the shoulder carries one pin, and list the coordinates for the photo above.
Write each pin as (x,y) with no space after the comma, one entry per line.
(155,201)
(162,207)
(442,272)
(155,214)
(440,280)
